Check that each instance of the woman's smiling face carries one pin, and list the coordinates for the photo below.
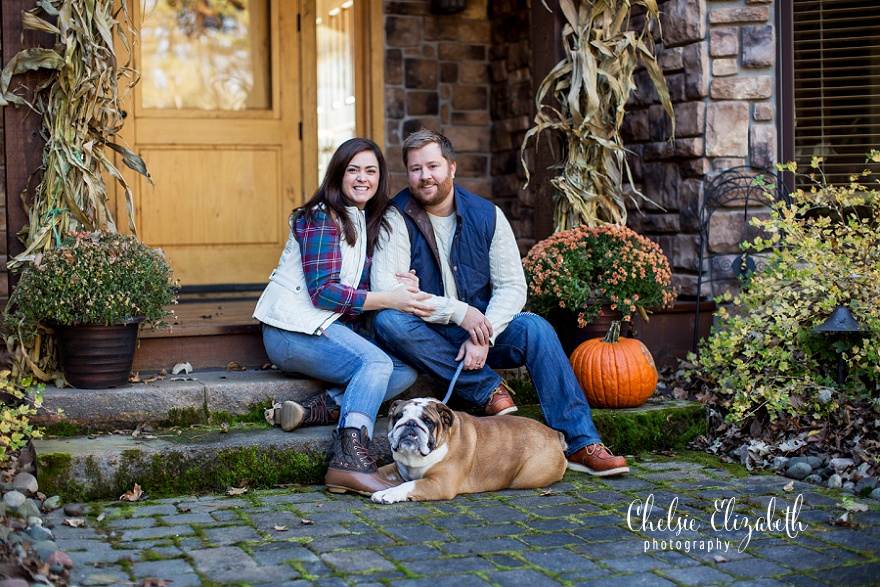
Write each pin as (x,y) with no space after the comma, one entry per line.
(361,179)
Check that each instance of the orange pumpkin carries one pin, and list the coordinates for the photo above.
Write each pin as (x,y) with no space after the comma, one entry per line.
(615,372)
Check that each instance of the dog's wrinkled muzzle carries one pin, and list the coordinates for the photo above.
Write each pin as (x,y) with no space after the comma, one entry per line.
(408,436)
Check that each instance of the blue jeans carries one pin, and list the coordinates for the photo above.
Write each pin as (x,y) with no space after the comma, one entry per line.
(346,359)
(528,340)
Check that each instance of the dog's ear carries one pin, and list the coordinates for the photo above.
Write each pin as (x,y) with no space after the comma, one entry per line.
(447,416)
(394,406)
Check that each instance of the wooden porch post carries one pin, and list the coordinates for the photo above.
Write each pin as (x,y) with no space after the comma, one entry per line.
(546,29)
(23,144)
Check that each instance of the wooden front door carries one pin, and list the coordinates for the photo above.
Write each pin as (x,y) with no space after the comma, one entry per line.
(215,117)
(224,116)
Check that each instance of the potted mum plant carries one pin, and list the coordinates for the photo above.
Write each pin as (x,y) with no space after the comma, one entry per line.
(583,278)
(94,290)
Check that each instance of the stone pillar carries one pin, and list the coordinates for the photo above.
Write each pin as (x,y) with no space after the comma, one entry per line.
(437,77)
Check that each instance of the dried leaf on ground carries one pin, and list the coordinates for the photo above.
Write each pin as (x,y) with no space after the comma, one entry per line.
(74,522)
(182,368)
(135,494)
(236,490)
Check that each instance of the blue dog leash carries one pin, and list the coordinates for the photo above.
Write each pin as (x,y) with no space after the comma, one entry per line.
(452,383)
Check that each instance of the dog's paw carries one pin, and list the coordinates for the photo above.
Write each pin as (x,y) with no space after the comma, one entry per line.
(393,495)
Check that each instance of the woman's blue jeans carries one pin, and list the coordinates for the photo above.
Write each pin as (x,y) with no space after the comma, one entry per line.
(348,361)
(528,340)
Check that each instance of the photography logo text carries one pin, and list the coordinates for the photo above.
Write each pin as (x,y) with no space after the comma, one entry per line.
(676,530)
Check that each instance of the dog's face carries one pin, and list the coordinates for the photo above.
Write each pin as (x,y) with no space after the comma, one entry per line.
(418,427)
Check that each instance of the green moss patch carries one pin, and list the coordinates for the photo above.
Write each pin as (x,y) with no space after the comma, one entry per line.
(665,426)
(173,473)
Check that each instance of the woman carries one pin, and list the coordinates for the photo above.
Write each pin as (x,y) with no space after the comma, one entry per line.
(313,305)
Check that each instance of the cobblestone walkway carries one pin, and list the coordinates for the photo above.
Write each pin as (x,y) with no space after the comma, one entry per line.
(653,527)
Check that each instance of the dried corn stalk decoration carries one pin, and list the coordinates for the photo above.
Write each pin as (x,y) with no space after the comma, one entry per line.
(582,101)
(80,103)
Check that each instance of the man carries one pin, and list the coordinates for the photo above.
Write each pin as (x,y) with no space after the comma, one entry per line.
(463,250)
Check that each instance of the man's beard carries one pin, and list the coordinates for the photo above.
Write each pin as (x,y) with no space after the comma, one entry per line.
(444,190)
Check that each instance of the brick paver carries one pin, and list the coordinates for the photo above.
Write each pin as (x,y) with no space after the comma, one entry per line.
(670,522)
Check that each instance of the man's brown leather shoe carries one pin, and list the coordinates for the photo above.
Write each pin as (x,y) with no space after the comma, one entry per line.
(500,402)
(597,460)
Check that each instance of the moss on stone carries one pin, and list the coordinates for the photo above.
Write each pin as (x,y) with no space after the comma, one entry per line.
(64,429)
(185,417)
(670,425)
(174,473)
(55,477)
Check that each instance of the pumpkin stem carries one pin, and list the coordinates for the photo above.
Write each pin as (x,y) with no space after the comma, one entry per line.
(613,334)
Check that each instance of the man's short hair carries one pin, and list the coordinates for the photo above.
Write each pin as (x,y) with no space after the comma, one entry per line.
(424,137)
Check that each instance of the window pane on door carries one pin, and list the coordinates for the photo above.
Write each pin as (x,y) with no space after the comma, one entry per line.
(205,55)
(336,90)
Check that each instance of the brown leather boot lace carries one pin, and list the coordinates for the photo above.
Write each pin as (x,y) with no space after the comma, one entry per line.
(317,411)
(351,453)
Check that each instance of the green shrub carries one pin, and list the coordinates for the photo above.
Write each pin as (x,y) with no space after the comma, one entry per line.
(824,252)
(18,402)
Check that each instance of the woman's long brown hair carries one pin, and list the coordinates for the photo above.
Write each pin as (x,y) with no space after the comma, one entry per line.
(330,193)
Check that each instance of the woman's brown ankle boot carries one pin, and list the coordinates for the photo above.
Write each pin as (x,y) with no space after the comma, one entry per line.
(353,466)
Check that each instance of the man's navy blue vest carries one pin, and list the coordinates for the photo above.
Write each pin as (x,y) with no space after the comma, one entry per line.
(469,258)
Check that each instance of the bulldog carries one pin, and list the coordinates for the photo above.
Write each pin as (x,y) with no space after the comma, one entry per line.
(440,453)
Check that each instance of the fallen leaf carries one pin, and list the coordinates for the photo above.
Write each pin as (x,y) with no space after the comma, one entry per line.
(134,377)
(74,522)
(135,494)
(789,487)
(306,522)
(236,490)
(153,582)
(720,559)
(548,493)
(233,366)
(100,517)
(281,528)
(182,367)
(224,428)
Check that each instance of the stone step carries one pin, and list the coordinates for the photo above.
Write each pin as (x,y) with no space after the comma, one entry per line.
(209,434)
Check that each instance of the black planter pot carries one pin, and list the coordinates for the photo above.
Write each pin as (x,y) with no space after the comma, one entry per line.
(98,357)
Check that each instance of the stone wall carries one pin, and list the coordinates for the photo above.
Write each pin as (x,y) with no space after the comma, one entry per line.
(466,75)
(437,77)
(719,61)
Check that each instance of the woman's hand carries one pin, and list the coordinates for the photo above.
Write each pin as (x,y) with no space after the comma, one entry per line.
(473,355)
(410,300)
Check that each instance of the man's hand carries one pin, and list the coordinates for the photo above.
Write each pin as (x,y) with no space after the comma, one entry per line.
(473,355)
(477,325)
